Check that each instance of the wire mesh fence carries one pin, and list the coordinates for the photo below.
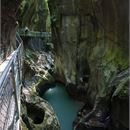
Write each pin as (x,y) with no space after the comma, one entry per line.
(10,82)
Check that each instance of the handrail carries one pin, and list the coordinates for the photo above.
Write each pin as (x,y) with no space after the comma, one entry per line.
(6,70)
(29,33)
(10,82)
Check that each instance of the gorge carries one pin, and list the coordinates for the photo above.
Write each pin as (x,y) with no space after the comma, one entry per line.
(85,49)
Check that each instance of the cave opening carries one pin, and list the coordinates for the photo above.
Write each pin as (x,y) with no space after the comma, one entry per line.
(35,113)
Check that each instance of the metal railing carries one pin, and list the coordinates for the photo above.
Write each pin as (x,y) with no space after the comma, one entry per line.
(29,33)
(10,89)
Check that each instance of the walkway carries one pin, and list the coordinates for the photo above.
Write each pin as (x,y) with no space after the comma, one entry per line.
(10,87)
(27,32)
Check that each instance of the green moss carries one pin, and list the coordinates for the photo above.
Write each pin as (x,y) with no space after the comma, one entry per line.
(116,56)
(34,15)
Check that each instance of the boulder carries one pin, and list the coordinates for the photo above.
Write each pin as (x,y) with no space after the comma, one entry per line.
(37,114)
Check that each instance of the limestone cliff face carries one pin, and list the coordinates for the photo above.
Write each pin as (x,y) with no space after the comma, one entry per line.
(35,15)
(8,27)
(91,48)
(38,62)
(91,40)
(37,114)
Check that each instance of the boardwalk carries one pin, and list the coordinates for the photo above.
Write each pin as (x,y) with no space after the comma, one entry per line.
(10,86)
(26,32)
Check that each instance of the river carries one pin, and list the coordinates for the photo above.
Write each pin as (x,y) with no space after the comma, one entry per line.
(64,106)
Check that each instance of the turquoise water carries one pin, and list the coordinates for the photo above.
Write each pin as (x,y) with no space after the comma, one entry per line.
(65,107)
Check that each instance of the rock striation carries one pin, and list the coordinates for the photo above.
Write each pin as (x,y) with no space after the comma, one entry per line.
(91,49)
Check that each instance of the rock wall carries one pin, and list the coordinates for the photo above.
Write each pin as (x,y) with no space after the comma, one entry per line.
(91,48)
(8,27)
(35,15)
(38,63)
(38,60)
(90,39)
(36,113)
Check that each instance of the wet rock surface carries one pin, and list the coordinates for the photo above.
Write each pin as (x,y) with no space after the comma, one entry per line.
(76,92)
(88,118)
(38,63)
(37,114)
(110,113)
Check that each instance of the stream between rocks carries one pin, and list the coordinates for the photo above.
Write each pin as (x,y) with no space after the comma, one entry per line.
(64,106)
